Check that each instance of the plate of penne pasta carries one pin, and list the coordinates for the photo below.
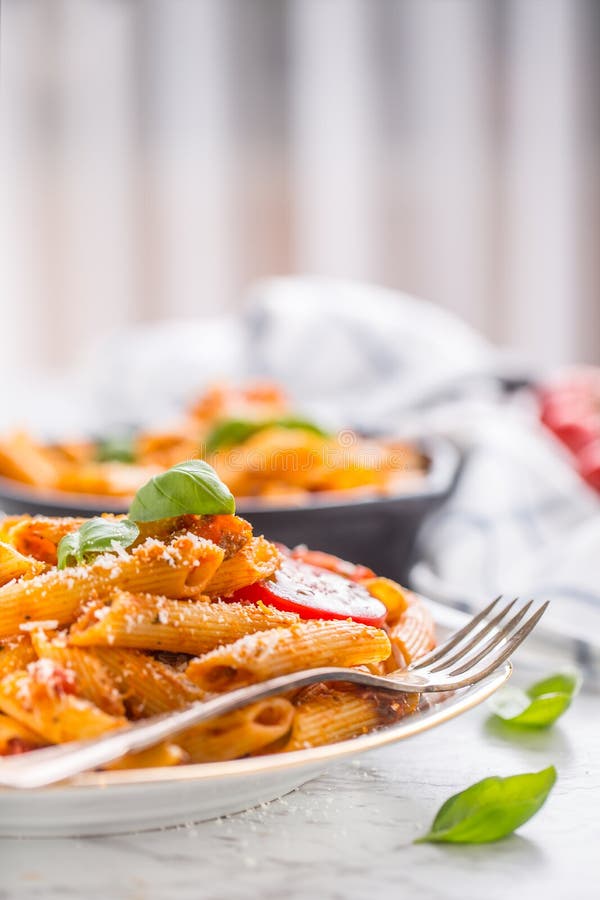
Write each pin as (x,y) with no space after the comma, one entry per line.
(112,619)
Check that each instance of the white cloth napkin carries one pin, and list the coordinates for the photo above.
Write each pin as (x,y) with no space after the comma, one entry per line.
(520,521)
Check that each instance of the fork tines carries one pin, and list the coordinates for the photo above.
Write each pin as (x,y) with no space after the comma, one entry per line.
(461,654)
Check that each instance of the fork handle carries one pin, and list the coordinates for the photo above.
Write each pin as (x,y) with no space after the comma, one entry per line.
(51,764)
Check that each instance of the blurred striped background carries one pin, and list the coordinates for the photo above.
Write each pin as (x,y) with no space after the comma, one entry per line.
(160,155)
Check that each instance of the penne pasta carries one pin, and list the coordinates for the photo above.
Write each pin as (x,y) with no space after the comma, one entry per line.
(304,645)
(148,622)
(259,559)
(412,636)
(166,448)
(180,569)
(16,737)
(14,565)
(148,686)
(16,652)
(38,536)
(6,523)
(164,754)
(93,679)
(239,733)
(113,479)
(294,457)
(42,698)
(326,714)
(25,460)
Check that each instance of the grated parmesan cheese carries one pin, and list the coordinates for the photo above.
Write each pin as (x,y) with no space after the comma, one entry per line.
(41,624)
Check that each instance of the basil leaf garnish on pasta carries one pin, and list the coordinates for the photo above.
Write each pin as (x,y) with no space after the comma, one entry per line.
(540,705)
(95,536)
(116,449)
(490,809)
(188,487)
(232,432)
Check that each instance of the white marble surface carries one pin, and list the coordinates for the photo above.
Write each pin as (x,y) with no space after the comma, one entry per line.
(348,835)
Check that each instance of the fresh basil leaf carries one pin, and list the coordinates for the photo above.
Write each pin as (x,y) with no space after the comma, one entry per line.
(69,550)
(95,536)
(232,432)
(188,487)
(116,449)
(303,424)
(490,809)
(540,705)
(517,708)
(561,683)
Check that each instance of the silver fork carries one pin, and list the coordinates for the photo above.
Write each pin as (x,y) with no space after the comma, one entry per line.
(467,657)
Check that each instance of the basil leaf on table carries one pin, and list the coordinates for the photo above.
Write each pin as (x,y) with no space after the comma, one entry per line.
(490,809)
(561,683)
(232,432)
(188,487)
(95,536)
(116,449)
(540,705)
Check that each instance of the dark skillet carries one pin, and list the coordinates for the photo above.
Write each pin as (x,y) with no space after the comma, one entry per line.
(378,531)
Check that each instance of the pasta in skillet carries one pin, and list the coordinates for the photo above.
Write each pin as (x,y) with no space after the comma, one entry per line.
(252,437)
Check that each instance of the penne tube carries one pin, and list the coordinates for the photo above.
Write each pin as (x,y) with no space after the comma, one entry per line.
(412,636)
(293,457)
(239,733)
(304,645)
(25,460)
(42,698)
(326,714)
(259,559)
(93,679)
(16,737)
(164,754)
(179,569)
(167,448)
(39,536)
(112,478)
(148,622)
(8,522)
(16,652)
(221,401)
(147,685)
(14,565)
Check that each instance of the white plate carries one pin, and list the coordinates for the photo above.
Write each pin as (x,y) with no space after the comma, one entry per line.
(115,802)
